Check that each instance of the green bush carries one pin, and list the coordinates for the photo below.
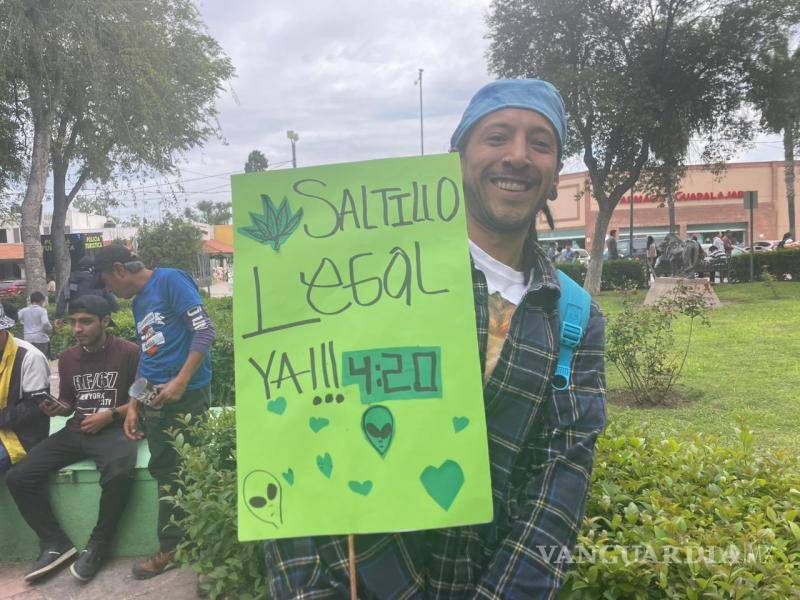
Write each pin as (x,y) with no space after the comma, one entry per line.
(675,495)
(575,271)
(617,274)
(211,546)
(782,264)
(641,343)
(624,274)
(654,498)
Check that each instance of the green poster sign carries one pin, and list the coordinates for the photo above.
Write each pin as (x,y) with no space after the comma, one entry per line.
(359,403)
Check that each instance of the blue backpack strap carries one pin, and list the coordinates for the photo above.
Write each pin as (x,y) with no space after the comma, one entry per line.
(573,314)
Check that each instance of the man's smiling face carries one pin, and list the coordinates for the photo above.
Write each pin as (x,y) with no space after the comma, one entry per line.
(509,165)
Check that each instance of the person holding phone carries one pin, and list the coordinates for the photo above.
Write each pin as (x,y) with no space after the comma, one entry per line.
(94,376)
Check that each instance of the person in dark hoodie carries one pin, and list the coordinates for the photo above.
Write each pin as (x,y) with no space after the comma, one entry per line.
(81,281)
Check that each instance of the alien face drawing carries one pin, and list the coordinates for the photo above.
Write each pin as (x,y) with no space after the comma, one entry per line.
(378,426)
(264,497)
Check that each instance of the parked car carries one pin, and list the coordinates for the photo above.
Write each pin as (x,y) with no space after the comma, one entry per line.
(764,246)
(12,287)
(580,256)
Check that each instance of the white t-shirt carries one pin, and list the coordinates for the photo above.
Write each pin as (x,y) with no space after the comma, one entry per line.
(35,324)
(499,277)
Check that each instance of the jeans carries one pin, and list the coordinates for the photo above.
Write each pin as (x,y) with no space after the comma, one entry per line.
(165,460)
(115,456)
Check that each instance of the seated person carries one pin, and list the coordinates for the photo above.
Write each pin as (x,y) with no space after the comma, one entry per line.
(24,377)
(94,379)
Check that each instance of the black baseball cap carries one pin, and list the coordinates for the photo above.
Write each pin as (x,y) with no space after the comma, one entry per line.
(107,257)
(92,304)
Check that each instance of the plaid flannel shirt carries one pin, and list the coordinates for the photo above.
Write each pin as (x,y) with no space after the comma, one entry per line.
(541,447)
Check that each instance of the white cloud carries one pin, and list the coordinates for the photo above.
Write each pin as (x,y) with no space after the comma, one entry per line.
(341,74)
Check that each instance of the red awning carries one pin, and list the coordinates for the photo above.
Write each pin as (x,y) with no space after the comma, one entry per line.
(216,247)
(14,252)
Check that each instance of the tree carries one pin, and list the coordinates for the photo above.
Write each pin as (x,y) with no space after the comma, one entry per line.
(256,161)
(101,204)
(774,84)
(107,87)
(174,242)
(211,213)
(10,151)
(638,78)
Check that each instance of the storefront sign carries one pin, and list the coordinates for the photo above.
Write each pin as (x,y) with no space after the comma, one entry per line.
(684,197)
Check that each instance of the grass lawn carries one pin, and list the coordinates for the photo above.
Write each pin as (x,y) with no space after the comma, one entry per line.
(746,364)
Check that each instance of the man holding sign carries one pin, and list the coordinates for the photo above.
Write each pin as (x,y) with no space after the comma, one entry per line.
(540,439)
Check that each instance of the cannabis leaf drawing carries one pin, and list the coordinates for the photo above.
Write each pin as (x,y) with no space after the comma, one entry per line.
(275,226)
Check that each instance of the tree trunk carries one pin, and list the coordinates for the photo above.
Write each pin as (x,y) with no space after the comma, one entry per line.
(594,274)
(32,206)
(671,210)
(788,170)
(61,256)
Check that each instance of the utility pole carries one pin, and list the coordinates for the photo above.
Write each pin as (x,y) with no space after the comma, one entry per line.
(421,137)
(293,137)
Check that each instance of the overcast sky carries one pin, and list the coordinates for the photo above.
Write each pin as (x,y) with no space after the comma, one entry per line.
(341,74)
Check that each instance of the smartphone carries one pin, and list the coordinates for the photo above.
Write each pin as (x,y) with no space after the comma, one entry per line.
(52,402)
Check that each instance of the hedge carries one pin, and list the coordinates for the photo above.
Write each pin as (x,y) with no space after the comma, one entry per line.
(616,273)
(783,264)
(655,501)
(688,516)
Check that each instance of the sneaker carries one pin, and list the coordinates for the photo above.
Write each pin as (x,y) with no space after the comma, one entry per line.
(52,557)
(89,562)
(155,565)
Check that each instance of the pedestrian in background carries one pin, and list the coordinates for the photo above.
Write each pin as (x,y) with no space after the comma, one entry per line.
(35,323)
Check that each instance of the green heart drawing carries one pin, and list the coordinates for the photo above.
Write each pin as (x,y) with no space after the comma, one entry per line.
(277,406)
(444,483)
(460,423)
(325,464)
(363,487)
(289,476)
(317,424)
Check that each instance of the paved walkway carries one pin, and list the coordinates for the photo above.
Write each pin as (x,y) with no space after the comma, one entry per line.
(113,582)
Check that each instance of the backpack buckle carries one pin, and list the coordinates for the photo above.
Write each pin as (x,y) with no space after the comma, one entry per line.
(571,334)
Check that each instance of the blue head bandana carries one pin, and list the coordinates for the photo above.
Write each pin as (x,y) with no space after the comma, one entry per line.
(532,94)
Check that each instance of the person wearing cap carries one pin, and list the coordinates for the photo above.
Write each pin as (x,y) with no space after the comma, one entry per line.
(24,376)
(81,281)
(176,335)
(94,377)
(541,441)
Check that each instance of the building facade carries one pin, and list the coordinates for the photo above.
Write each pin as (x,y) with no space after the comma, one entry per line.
(704,205)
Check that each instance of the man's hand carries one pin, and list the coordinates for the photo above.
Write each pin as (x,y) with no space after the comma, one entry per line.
(58,323)
(96,422)
(53,410)
(172,391)
(131,420)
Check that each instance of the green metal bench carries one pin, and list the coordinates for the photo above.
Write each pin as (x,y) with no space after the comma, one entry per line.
(75,496)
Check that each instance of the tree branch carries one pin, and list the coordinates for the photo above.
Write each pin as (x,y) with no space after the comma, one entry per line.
(84,177)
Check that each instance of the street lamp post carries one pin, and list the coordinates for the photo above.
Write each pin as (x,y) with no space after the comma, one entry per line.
(293,137)
(421,137)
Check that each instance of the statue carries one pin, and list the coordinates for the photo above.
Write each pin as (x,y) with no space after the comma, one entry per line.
(678,258)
